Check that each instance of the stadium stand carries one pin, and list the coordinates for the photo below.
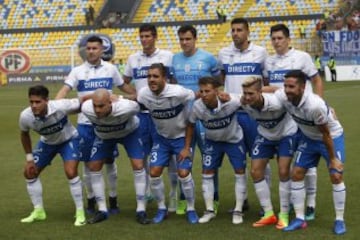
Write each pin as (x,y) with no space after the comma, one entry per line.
(55,47)
(44,13)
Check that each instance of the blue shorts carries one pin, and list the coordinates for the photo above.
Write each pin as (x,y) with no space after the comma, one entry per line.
(309,151)
(103,148)
(147,128)
(214,152)
(87,138)
(249,127)
(266,149)
(164,148)
(44,153)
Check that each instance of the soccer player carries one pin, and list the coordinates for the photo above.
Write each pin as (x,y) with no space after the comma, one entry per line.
(136,71)
(240,60)
(189,65)
(94,73)
(49,119)
(322,135)
(276,135)
(285,59)
(223,134)
(168,104)
(115,123)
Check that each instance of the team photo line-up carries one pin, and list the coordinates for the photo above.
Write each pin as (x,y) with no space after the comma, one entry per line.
(242,102)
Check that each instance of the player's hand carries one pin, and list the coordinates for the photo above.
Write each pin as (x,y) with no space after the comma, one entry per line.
(130,97)
(337,165)
(185,153)
(115,98)
(243,100)
(332,110)
(223,96)
(31,170)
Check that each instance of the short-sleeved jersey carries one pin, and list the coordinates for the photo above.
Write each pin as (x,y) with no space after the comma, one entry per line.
(220,124)
(54,128)
(120,122)
(168,110)
(311,112)
(188,70)
(274,123)
(276,66)
(86,78)
(239,65)
(139,63)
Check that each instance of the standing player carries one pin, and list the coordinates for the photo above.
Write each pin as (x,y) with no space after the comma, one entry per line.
(223,134)
(240,60)
(276,135)
(168,104)
(94,73)
(189,65)
(276,66)
(136,71)
(322,135)
(115,123)
(49,119)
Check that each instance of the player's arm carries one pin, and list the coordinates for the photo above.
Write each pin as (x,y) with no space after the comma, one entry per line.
(30,167)
(127,88)
(222,77)
(317,85)
(127,79)
(329,144)
(189,134)
(63,92)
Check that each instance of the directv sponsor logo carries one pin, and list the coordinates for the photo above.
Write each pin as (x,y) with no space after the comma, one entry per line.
(218,123)
(94,84)
(243,69)
(303,121)
(140,73)
(110,128)
(167,113)
(54,128)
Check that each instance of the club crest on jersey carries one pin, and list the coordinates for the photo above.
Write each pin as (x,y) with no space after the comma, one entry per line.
(187,68)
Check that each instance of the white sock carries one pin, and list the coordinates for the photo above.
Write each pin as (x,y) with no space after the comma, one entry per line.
(268,174)
(188,186)
(246,177)
(310,184)
(76,192)
(98,186)
(284,195)
(298,198)
(148,178)
(87,182)
(240,190)
(140,188)
(111,171)
(339,196)
(157,187)
(34,188)
(173,176)
(263,193)
(208,191)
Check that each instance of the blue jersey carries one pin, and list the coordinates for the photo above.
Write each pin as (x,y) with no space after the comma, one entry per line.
(188,70)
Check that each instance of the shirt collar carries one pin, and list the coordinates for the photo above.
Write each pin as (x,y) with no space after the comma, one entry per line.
(95,66)
(153,54)
(250,47)
(287,54)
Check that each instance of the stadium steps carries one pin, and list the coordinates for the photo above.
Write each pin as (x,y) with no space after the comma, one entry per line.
(142,11)
(244,8)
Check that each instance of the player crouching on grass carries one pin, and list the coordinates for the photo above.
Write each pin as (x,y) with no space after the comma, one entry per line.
(50,120)
(223,135)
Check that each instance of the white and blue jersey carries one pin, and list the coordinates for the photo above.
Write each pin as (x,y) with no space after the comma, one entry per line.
(57,134)
(311,112)
(239,65)
(276,67)
(120,126)
(223,134)
(188,69)
(86,78)
(169,114)
(276,129)
(139,63)
(168,110)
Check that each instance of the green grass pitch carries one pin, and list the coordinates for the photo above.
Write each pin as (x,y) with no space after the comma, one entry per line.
(15,203)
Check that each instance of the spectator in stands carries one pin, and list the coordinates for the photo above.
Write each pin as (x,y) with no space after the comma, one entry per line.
(221,13)
(302,30)
(87,18)
(332,67)
(91,11)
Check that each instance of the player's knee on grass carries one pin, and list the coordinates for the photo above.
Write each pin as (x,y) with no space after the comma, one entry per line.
(137,164)
(95,166)
(336,178)
(298,174)
(155,171)
(240,171)
(183,173)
